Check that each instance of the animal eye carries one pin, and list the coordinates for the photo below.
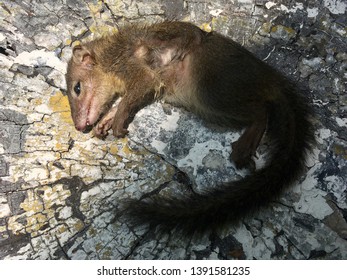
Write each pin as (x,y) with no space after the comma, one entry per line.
(77,88)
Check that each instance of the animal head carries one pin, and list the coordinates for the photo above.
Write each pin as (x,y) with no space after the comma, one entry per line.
(91,89)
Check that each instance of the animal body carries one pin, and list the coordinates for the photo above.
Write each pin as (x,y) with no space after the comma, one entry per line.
(211,76)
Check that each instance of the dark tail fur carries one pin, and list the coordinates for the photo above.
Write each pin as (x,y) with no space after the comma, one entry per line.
(291,134)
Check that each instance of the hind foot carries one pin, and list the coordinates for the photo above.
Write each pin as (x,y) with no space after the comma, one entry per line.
(241,157)
(245,147)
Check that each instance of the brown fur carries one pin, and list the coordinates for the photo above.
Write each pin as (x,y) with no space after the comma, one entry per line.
(211,76)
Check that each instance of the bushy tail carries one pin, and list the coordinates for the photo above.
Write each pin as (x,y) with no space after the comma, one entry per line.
(291,134)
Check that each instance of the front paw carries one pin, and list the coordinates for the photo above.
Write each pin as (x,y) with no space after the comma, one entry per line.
(118,130)
(102,128)
(105,124)
(100,132)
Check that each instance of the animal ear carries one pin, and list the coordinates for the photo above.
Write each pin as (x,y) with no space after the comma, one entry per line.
(83,56)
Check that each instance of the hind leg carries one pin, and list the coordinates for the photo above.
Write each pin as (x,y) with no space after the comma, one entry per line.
(245,147)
